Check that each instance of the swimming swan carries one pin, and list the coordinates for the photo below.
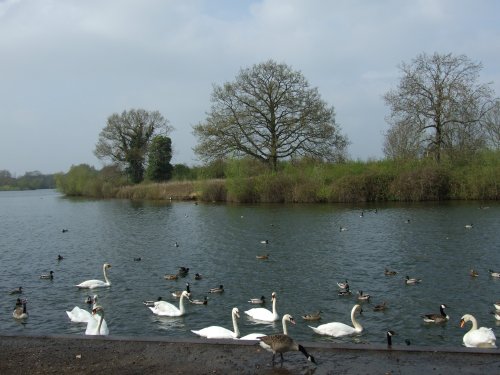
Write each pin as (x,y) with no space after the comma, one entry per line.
(262,314)
(255,336)
(91,284)
(163,308)
(477,337)
(216,332)
(337,329)
(97,325)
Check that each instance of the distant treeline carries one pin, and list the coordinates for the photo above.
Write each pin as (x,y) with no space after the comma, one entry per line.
(29,181)
(249,181)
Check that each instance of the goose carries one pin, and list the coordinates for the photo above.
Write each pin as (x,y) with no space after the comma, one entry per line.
(362,296)
(473,273)
(203,301)
(380,307)
(163,308)
(477,337)
(343,285)
(258,301)
(263,257)
(50,275)
(17,291)
(216,332)
(313,316)
(337,329)
(437,318)
(497,314)
(219,289)
(176,244)
(411,281)
(97,325)
(88,300)
(256,336)
(497,305)
(178,293)
(494,274)
(389,335)
(262,314)
(387,272)
(282,343)
(91,284)
(150,303)
(20,311)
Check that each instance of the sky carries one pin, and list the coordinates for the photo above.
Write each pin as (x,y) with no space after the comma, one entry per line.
(67,65)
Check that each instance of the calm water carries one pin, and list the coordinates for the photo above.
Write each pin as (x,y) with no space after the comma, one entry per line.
(308,255)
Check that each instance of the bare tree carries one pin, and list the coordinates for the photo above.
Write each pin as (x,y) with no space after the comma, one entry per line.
(491,125)
(270,113)
(440,98)
(126,138)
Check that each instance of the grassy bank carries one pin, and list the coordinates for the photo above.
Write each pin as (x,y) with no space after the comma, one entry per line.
(310,181)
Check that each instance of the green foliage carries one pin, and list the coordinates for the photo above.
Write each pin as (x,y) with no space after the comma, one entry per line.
(29,181)
(159,156)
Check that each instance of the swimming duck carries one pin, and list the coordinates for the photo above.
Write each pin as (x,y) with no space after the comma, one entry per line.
(137,259)
(410,281)
(387,272)
(344,285)
(50,275)
(60,257)
(266,256)
(362,296)
(220,289)
(473,273)
(151,303)
(17,291)
(437,318)
(204,301)
(342,229)
(468,226)
(170,277)
(494,274)
(183,271)
(197,276)
(178,293)
(380,307)
(258,301)
(312,316)
(265,242)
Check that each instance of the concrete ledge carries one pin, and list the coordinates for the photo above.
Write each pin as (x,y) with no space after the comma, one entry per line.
(65,354)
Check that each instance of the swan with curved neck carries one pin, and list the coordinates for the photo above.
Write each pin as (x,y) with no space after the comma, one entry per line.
(163,308)
(255,336)
(337,329)
(264,315)
(477,337)
(97,325)
(91,284)
(216,332)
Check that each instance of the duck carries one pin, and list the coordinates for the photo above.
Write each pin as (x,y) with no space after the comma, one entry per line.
(389,335)
(362,296)
(164,308)
(380,307)
(178,293)
(197,276)
(91,284)
(60,257)
(17,291)
(137,259)
(473,273)
(170,277)
(258,301)
(217,332)
(437,318)
(312,316)
(203,301)
(342,229)
(494,274)
(265,242)
(183,271)
(64,230)
(337,329)
(262,314)
(50,275)
(497,305)
(468,226)
(343,285)
(20,311)
(88,300)
(411,281)
(219,289)
(477,337)
(388,272)
(263,257)
(150,303)
(176,244)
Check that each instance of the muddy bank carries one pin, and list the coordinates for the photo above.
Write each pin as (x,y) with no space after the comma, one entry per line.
(121,355)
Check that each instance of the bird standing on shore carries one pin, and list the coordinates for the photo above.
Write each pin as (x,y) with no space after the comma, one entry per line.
(281,343)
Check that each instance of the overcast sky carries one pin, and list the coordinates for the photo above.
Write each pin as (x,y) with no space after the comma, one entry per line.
(67,65)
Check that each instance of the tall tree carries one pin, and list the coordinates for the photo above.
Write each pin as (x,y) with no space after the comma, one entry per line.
(270,113)
(491,125)
(440,98)
(159,156)
(126,137)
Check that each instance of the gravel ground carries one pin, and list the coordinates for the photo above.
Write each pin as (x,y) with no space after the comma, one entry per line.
(119,355)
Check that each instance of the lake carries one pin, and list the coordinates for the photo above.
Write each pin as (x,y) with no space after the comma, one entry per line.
(308,255)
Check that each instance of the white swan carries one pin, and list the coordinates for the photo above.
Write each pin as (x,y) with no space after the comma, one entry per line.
(97,325)
(216,332)
(264,315)
(477,337)
(91,284)
(337,329)
(78,315)
(164,308)
(255,336)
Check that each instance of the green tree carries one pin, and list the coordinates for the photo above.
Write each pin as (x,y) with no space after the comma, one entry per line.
(439,103)
(269,113)
(126,138)
(159,156)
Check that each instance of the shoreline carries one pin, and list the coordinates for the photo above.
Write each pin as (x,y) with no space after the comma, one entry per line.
(68,354)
